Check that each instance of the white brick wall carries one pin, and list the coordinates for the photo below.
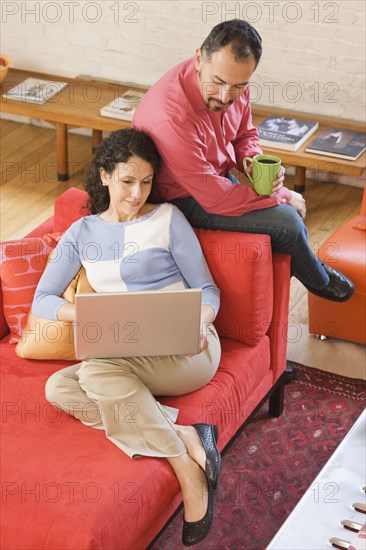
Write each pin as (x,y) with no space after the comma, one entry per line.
(314,51)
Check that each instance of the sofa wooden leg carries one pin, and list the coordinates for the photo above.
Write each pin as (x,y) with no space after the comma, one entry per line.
(277,399)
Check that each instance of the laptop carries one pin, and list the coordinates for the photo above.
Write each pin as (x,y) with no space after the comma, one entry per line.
(144,323)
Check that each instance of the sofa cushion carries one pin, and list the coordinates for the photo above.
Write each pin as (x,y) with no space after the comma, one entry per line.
(224,400)
(247,294)
(22,264)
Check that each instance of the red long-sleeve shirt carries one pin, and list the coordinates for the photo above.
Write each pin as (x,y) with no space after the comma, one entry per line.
(199,146)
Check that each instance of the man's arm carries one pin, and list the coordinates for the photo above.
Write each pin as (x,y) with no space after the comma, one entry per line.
(246,143)
(184,153)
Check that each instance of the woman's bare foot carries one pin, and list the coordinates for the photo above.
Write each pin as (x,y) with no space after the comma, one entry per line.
(193,484)
(193,443)
(195,495)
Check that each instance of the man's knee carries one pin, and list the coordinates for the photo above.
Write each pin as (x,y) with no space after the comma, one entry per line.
(288,219)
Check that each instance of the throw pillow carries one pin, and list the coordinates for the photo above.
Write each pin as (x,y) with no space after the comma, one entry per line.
(22,264)
(47,339)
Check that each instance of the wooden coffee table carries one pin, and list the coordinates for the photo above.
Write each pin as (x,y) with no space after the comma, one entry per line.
(77,105)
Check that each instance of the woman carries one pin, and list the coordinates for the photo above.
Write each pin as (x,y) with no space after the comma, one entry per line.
(166,254)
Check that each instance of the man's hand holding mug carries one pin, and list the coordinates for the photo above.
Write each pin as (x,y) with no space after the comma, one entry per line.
(267,176)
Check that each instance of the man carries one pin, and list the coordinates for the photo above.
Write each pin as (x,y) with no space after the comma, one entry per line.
(199,116)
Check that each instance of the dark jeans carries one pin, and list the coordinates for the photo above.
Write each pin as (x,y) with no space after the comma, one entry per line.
(284,225)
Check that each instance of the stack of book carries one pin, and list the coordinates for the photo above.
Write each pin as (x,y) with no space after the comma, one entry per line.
(124,106)
(285,133)
(279,132)
(338,142)
(35,90)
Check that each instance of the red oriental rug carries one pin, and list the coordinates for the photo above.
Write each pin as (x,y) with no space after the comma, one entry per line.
(273,461)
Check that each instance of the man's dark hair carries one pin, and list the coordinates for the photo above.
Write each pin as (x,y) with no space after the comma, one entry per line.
(243,38)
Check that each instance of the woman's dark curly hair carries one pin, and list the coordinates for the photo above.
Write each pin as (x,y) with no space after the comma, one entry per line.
(119,146)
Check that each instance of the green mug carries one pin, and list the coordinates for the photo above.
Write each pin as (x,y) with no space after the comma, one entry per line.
(264,172)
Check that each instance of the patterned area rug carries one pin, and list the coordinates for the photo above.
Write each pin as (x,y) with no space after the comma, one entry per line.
(273,461)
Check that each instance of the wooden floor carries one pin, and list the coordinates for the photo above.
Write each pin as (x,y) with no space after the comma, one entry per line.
(29,188)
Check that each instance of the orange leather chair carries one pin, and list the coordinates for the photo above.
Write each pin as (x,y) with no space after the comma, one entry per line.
(344,250)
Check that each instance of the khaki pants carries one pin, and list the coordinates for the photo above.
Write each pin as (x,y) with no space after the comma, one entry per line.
(117,395)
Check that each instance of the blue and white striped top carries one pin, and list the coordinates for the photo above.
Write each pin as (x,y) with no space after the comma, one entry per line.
(157,251)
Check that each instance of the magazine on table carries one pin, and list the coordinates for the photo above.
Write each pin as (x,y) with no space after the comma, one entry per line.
(339,143)
(35,90)
(124,106)
(285,133)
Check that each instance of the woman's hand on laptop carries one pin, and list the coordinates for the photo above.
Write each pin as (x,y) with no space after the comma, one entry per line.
(203,342)
(207,317)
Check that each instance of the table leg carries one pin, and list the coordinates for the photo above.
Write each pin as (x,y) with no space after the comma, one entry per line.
(61,152)
(300,174)
(96,139)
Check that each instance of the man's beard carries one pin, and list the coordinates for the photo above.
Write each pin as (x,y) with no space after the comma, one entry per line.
(220,105)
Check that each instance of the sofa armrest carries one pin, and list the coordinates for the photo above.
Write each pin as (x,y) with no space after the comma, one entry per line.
(278,328)
(241,265)
(69,207)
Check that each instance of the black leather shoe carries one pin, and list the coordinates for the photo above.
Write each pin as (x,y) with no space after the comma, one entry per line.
(208,434)
(290,373)
(339,288)
(195,531)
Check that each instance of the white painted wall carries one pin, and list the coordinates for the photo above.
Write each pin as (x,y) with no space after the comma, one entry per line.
(314,51)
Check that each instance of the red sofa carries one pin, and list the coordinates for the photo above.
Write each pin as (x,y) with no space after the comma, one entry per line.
(65,485)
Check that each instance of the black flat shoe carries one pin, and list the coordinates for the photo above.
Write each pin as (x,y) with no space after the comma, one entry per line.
(195,531)
(208,434)
(339,288)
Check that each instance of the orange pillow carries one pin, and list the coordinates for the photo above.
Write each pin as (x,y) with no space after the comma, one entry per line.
(22,264)
(47,339)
